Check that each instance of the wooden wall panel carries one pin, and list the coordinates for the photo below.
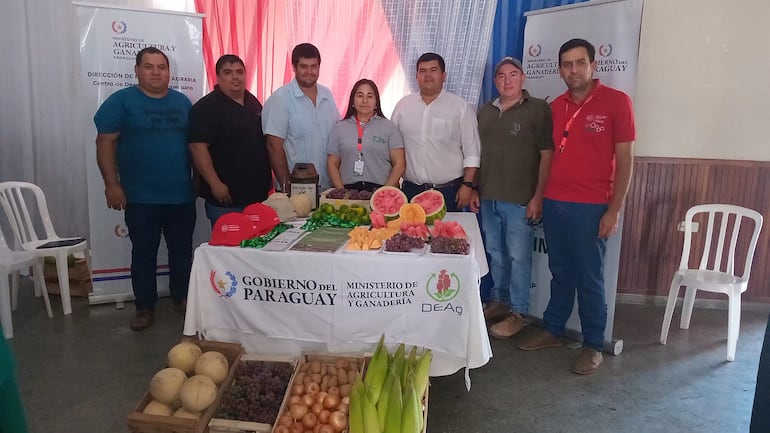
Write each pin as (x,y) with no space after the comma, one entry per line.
(661,191)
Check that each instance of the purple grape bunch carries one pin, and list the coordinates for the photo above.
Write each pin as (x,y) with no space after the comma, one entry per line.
(256,392)
(403,244)
(349,194)
(444,245)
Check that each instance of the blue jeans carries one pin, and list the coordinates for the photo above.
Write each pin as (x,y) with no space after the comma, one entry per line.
(146,223)
(485,288)
(213,212)
(509,244)
(576,261)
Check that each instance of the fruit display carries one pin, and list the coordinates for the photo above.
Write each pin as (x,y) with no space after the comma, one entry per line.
(449,238)
(319,395)
(432,201)
(348,194)
(403,243)
(448,229)
(257,392)
(390,397)
(387,201)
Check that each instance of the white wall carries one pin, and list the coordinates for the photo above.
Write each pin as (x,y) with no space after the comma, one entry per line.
(703,85)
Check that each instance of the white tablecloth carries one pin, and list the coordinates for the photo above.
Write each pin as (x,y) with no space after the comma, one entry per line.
(287,302)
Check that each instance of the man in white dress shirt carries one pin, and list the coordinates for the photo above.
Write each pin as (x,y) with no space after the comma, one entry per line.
(441,137)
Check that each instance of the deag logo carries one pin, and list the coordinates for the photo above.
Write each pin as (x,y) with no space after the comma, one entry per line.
(605,50)
(224,287)
(119,27)
(443,287)
(535,50)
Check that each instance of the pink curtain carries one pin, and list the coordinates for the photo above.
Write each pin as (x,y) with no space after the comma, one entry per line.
(353,36)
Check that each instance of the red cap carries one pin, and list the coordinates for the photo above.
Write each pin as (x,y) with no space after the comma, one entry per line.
(263,217)
(232,228)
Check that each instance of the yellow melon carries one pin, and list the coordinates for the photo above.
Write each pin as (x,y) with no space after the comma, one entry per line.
(412,213)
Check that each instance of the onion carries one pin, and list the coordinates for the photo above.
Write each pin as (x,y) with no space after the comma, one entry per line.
(346,399)
(309,420)
(341,363)
(297,427)
(282,429)
(285,420)
(297,411)
(308,400)
(338,421)
(319,398)
(344,408)
(294,399)
(323,417)
(345,390)
(326,429)
(333,390)
(333,381)
(315,366)
(316,377)
(331,401)
(312,388)
(316,408)
(297,389)
(300,377)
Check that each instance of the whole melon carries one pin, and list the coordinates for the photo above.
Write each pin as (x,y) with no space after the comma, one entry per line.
(302,204)
(184,413)
(165,385)
(433,203)
(184,356)
(157,408)
(197,393)
(387,200)
(214,365)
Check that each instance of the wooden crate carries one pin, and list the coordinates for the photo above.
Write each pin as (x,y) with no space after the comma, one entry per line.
(324,358)
(220,425)
(80,279)
(141,423)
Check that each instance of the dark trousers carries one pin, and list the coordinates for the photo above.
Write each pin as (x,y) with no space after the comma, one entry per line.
(760,417)
(449,192)
(146,223)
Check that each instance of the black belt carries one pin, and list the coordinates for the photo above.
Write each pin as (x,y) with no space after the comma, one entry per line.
(427,186)
(365,186)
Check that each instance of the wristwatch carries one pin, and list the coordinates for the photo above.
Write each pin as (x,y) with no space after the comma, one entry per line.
(468,184)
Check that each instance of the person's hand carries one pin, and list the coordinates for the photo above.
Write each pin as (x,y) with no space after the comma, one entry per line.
(475,201)
(463,197)
(221,193)
(116,198)
(535,209)
(608,224)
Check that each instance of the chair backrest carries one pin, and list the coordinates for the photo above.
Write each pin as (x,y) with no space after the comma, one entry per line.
(20,215)
(721,217)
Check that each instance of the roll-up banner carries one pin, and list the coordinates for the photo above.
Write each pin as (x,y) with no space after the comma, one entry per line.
(613,27)
(110,38)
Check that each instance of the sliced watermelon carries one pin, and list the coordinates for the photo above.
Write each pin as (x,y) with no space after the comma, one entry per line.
(448,229)
(387,200)
(415,230)
(433,203)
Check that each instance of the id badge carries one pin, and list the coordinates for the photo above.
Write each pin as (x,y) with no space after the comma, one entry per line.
(358,166)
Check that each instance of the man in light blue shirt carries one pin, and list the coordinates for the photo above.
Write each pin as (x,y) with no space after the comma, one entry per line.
(298,117)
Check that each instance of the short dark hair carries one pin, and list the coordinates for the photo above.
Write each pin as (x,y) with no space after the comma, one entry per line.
(428,57)
(377,108)
(149,50)
(227,59)
(577,43)
(305,51)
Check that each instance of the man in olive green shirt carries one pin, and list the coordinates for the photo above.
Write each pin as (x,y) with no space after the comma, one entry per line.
(516,148)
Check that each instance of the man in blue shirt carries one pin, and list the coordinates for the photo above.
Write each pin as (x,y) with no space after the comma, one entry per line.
(298,117)
(141,149)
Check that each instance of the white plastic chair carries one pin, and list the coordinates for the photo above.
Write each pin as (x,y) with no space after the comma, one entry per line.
(11,262)
(712,274)
(23,222)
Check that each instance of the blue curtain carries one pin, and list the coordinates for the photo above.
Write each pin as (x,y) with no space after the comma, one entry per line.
(508,36)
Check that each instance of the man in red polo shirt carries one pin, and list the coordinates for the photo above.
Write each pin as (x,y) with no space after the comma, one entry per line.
(593,130)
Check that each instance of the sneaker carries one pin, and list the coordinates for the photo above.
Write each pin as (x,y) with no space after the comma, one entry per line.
(495,311)
(541,340)
(588,362)
(142,320)
(181,306)
(508,327)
